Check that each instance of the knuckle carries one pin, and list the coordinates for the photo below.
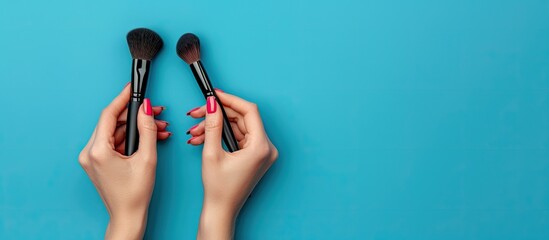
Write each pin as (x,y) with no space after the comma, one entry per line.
(104,112)
(97,153)
(82,159)
(274,154)
(211,124)
(150,125)
(263,150)
(209,155)
(253,107)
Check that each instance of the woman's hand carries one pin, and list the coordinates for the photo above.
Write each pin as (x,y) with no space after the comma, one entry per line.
(229,178)
(125,183)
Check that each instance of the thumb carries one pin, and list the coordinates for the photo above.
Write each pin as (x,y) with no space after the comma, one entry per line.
(147,129)
(213,126)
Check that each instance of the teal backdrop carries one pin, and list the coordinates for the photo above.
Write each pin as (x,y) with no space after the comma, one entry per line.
(394,119)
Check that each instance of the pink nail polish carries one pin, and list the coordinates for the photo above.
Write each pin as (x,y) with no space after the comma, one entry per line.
(211,105)
(147,107)
(192,110)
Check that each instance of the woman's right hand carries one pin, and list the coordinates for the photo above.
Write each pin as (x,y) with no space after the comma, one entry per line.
(229,178)
(124,183)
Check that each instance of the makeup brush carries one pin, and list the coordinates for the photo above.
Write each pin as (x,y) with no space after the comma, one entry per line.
(188,49)
(144,44)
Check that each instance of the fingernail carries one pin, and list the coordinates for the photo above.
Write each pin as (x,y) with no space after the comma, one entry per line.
(162,108)
(189,141)
(193,127)
(211,105)
(167,123)
(219,90)
(127,84)
(148,107)
(192,110)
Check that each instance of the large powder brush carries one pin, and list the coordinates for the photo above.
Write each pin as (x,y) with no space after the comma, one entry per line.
(144,45)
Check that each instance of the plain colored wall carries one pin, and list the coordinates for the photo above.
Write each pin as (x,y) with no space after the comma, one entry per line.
(394,119)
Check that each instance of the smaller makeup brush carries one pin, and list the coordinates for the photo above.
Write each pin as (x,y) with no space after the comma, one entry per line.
(188,49)
(144,44)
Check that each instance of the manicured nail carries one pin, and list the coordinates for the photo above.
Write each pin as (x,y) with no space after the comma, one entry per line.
(219,90)
(148,107)
(193,127)
(211,105)
(189,142)
(192,110)
(167,123)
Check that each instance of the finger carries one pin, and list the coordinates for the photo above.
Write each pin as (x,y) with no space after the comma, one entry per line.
(249,111)
(242,143)
(232,115)
(107,121)
(163,135)
(237,133)
(240,105)
(213,125)
(119,134)
(147,130)
(157,110)
(197,112)
(200,112)
(161,125)
(236,118)
(196,140)
(121,147)
(197,129)
(199,139)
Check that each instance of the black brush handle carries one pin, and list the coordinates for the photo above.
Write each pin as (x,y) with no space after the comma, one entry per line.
(228,134)
(207,90)
(140,76)
(132,134)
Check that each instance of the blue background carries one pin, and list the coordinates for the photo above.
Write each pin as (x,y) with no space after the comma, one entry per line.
(394,119)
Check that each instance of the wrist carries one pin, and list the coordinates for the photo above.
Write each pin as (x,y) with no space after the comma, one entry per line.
(216,222)
(127,226)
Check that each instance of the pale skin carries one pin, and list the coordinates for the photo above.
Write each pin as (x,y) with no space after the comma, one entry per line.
(125,183)
(229,178)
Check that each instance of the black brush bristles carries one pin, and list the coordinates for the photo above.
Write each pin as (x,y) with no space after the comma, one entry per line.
(144,43)
(188,48)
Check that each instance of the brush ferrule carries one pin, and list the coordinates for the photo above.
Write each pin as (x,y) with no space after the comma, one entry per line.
(202,79)
(140,75)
